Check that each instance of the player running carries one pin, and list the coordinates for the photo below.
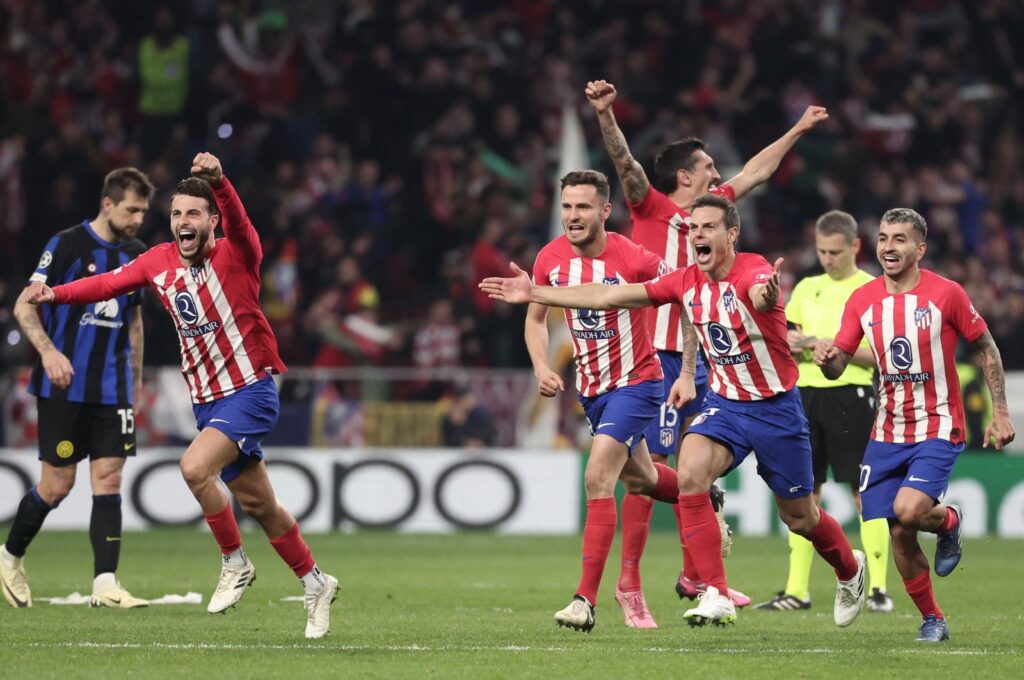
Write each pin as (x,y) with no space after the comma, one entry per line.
(913,318)
(733,301)
(210,287)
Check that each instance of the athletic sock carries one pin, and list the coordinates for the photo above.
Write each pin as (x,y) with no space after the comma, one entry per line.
(689,569)
(874,536)
(598,533)
(636,525)
(831,543)
(225,531)
(920,590)
(313,581)
(703,538)
(667,488)
(801,555)
(294,551)
(949,523)
(105,533)
(27,522)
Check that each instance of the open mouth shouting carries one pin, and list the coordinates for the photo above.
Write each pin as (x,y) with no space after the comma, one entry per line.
(576,229)
(702,252)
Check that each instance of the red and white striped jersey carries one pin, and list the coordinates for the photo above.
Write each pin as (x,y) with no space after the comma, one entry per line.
(913,336)
(611,347)
(226,341)
(747,351)
(662,227)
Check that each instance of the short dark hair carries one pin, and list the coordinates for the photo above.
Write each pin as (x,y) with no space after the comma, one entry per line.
(200,188)
(594,178)
(731,215)
(837,222)
(681,155)
(118,182)
(907,216)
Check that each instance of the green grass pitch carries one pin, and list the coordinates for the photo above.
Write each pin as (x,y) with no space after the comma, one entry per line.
(481,606)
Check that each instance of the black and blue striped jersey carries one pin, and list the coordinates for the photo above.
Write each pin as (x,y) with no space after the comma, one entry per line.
(94,337)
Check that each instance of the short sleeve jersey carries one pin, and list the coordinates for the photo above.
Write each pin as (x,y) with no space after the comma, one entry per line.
(747,350)
(94,337)
(913,336)
(816,305)
(612,347)
(661,226)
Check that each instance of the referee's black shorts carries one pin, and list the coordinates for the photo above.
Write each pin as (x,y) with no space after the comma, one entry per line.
(840,419)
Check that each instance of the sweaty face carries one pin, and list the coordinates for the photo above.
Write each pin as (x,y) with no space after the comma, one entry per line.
(899,248)
(583,214)
(125,218)
(711,241)
(192,225)
(836,255)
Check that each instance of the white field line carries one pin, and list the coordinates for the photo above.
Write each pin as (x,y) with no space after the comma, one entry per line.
(929,650)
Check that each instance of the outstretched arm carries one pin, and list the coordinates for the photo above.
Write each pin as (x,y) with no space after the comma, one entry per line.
(601,94)
(832,360)
(519,290)
(238,229)
(759,168)
(1000,430)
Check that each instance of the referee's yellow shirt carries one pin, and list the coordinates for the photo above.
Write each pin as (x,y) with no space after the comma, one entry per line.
(816,305)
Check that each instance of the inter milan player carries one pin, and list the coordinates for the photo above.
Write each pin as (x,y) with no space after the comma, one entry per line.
(733,301)
(210,287)
(839,412)
(912,319)
(618,377)
(85,380)
(684,171)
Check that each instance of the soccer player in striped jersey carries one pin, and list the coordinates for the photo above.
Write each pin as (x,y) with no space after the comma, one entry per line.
(684,171)
(210,287)
(912,319)
(733,301)
(618,377)
(86,379)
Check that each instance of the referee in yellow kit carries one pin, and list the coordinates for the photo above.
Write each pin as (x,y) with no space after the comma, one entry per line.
(840,412)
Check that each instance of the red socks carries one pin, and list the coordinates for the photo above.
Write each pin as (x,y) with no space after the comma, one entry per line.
(294,551)
(831,543)
(667,488)
(689,571)
(949,523)
(636,525)
(920,590)
(225,530)
(703,538)
(598,534)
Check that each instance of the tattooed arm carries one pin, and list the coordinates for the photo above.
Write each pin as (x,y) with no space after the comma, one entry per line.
(635,185)
(1000,430)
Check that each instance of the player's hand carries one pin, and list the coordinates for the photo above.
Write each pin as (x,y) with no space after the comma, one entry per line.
(683,391)
(517,290)
(206,166)
(1000,431)
(549,383)
(37,292)
(812,116)
(824,352)
(58,368)
(795,338)
(773,286)
(601,95)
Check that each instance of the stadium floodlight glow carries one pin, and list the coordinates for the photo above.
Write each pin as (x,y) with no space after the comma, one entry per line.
(225,130)
(13,338)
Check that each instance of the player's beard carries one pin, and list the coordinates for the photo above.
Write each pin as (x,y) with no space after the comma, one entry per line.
(122,233)
(202,238)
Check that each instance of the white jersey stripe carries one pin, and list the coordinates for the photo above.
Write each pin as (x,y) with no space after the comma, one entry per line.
(231,329)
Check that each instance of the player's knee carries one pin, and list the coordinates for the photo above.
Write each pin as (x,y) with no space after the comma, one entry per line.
(911,515)
(801,524)
(638,484)
(598,484)
(692,481)
(257,507)
(194,473)
(54,492)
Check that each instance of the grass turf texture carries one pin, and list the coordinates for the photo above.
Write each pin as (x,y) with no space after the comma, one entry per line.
(481,606)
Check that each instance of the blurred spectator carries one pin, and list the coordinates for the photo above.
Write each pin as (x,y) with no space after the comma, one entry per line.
(466,424)
(163,73)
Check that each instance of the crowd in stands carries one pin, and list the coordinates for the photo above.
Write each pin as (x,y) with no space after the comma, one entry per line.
(392,153)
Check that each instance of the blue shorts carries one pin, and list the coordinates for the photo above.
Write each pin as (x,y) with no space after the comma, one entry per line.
(245,418)
(662,435)
(624,413)
(925,466)
(774,429)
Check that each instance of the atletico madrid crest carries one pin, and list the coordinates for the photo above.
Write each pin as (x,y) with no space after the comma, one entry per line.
(923,317)
(667,436)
